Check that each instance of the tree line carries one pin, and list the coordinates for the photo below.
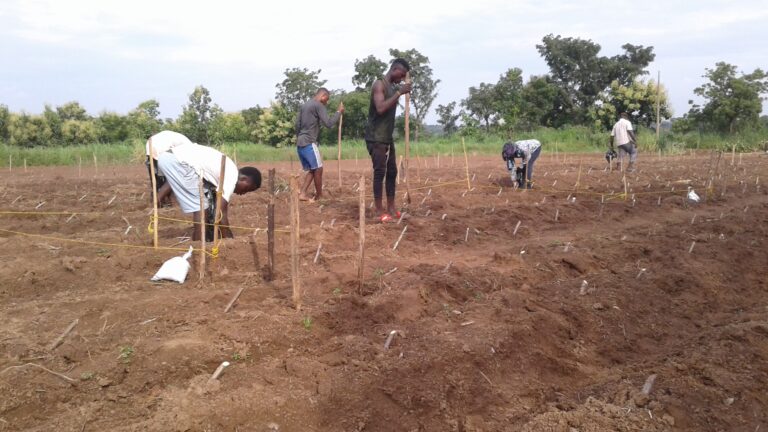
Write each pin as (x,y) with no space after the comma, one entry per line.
(582,88)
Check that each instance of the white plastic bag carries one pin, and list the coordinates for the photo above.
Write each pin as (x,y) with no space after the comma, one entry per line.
(175,269)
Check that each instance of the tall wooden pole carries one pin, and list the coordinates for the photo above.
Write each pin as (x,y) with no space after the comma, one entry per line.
(296,282)
(201,269)
(658,108)
(407,139)
(361,249)
(466,162)
(217,216)
(271,227)
(338,157)
(154,192)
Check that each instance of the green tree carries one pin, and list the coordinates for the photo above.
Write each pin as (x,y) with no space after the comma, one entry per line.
(144,120)
(54,121)
(5,116)
(78,132)
(508,97)
(731,103)
(447,118)
(195,120)
(367,71)
(25,130)
(299,85)
(229,127)
(637,99)
(275,126)
(112,127)
(539,96)
(251,119)
(72,111)
(480,104)
(581,74)
(424,89)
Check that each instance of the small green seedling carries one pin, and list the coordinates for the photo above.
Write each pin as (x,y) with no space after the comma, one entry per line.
(85,376)
(307,323)
(126,353)
(337,291)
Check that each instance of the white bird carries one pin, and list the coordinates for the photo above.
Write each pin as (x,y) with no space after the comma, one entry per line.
(693,196)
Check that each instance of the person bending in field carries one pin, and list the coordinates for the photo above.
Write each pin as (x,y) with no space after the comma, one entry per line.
(378,135)
(183,167)
(527,151)
(162,142)
(624,136)
(311,115)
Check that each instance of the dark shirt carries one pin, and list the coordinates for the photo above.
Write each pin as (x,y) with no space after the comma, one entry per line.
(380,126)
(311,115)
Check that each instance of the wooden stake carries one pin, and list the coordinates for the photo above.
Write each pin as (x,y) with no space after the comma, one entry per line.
(80,167)
(234,299)
(10,162)
(397,243)
(658,108)
(514,233)
(95,163)
(295,242)
(338,156)
(271,227)
(466,163)
(407,139)
(361,238)
(154,194)
(218,214)
(317,254)
(25,164)
(201,266)
(60,339)
(733,154)
(626,191)
(578,178)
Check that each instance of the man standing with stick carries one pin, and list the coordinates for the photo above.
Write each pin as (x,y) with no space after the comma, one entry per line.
(184,166)
(378,135)
(311,115)
(624,136)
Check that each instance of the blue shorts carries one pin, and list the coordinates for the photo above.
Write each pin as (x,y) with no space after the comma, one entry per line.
(310,157)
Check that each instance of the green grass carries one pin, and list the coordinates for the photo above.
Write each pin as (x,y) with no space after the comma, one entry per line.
(569,140)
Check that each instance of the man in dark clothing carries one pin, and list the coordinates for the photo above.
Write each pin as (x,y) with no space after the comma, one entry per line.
(378,134)
(311,115)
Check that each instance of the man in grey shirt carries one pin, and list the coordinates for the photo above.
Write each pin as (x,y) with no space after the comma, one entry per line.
(311,115)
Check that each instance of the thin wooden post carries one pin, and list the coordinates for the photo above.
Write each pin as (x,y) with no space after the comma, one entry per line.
(25,164)
(80,167)
(466,163)
(626,192)
(201,266)
(338,156)
(218,214)
(296,282)
(361,241)
(407,139)
(10,162)
(95,163)
(154,193)
(578,177)
(271,227)
(733,154)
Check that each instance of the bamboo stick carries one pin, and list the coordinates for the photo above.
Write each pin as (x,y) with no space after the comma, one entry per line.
(466,163)
(271,227)
(154,194)
(201,265)
(234,299)
(60,339)
(338,156)
(407,140)
(218,214)
(296,281)
(361,238)
(397,243)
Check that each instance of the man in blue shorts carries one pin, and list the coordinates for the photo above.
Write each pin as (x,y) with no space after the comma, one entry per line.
(311,115)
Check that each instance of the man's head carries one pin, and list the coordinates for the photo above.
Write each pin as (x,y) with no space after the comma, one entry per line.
(322,95)
(248,180)
(398,69)
(624,115)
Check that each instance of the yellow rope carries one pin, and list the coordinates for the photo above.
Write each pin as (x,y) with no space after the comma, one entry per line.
(88,242)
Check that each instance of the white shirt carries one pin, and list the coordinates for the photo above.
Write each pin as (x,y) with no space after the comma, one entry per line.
(164,141)
(207,162)
(528,147)
(620,132)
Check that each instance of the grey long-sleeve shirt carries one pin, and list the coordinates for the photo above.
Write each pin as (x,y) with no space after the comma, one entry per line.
(311,115)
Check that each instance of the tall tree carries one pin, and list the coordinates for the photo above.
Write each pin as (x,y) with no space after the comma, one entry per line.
(582,74)
(5,115)
(447,119)
(638,100)
(481,103)
(144,120)
(299,85)
(367,71)
(732,102)
(197,115)
(424,89)
(539,102)
(508,97)
(72,111)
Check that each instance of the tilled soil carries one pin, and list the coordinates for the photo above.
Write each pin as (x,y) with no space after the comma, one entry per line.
(552,324)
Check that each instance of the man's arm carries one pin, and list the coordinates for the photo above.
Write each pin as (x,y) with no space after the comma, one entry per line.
(380,102)
(163,192)
(326,121)
(632,137)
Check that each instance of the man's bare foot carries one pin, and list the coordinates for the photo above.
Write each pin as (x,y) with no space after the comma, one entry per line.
(303,197)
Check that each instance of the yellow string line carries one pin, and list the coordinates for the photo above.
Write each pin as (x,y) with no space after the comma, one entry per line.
(88,242)
(42,213)
(210,224)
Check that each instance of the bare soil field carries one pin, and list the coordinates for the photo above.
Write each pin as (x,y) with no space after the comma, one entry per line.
(554,323)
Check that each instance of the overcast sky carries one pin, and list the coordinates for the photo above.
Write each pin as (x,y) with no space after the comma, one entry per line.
(111,55)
